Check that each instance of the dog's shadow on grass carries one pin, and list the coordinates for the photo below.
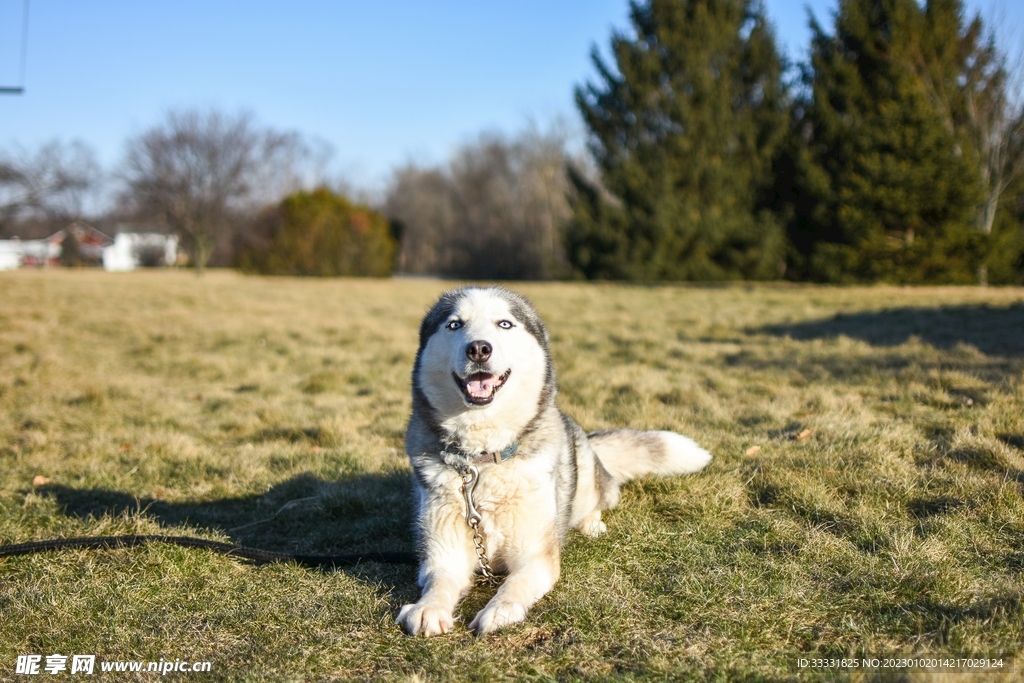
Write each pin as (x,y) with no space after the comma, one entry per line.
(997,331)
(304,515)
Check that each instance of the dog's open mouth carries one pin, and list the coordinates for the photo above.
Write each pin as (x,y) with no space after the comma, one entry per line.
(479,388)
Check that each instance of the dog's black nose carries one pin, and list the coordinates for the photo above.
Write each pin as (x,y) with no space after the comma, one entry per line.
(478,351)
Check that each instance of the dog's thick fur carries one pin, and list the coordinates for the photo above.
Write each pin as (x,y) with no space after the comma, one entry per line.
(483,380)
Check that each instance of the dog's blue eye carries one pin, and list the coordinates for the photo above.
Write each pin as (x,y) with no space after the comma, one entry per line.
(454,324)
(504,324)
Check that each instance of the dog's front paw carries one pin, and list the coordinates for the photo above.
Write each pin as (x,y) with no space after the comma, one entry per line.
(430,620)
(592,526)
(497,615)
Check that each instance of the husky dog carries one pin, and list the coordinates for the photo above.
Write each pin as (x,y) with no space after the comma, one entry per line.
(484,415)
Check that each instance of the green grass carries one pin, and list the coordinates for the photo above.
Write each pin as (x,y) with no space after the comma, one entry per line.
(271,412)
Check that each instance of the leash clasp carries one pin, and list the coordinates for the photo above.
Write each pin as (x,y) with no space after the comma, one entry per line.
(470,477)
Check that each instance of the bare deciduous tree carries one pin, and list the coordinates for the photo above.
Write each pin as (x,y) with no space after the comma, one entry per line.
(996,122)
(204,172)
(494,212)
(194,171)
(981,101)
(52,184)
(287,163)
(420,203)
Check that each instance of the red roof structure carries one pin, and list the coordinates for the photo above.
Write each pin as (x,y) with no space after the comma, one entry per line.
(88,243)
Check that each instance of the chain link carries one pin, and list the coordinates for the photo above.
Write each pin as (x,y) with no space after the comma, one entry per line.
(469,478)
(481,555)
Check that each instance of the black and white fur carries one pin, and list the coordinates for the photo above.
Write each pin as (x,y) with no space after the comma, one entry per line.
(483,380)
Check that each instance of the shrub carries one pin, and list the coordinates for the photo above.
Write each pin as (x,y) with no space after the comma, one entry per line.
(319,233)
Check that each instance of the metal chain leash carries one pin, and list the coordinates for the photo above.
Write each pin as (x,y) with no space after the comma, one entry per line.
(470,477)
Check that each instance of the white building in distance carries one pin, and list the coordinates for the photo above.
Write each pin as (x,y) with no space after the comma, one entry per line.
(10,254)
(132,250)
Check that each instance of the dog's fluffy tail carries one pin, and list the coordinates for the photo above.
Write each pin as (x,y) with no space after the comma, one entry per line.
(628,454)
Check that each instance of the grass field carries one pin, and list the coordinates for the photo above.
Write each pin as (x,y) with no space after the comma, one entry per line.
(865,499)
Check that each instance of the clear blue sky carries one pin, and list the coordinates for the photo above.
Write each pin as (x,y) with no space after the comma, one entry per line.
(382,82)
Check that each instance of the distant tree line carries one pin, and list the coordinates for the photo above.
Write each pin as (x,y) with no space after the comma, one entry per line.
(206,176)
(895,153)
(496,211)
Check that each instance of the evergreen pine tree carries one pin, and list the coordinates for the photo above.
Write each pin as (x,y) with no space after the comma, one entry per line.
(883,190)
(684,130)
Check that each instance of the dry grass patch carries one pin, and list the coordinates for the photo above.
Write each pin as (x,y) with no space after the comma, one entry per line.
(866,496)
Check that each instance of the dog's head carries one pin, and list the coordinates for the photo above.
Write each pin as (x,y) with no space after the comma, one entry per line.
(481,348)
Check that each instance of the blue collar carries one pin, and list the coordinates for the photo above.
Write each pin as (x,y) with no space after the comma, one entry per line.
(458,459)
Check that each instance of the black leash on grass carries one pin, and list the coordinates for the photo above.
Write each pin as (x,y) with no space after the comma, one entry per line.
(254,555)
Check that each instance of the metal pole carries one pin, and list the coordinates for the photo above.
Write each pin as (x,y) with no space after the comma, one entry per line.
(20,89)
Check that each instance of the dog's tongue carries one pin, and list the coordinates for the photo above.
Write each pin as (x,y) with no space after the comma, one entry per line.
(480,385)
